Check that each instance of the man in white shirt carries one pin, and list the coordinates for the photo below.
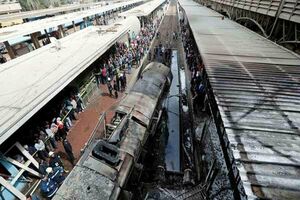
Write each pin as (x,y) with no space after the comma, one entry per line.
(50,134)
(41,149)
(74,103)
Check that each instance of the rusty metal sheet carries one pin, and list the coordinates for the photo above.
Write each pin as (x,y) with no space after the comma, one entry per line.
(287,10)
(137,130)
(143,106)
(132,146)
(256,85)
(123,108)
(146,92)
(100,167)
(135,139)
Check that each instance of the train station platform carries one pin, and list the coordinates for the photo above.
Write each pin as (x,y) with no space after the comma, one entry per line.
(253,90)
(35,78)
(49,70)
(48,11)
(13,32)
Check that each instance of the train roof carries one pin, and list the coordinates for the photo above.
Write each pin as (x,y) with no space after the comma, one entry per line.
(93,178)
(145,94)
(30,81)
(144,9)
(84,183)
(257,91)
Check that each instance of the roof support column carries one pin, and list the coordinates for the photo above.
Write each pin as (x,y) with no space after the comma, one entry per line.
(142,22)
(85,22)
(97,19)
(283,30)
(296,32)
(12,189)
(61,31)
(47,35)
(10,50)
(74,26)
(35,40)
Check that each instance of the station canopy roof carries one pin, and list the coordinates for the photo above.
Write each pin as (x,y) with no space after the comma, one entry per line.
(144,9)
(32,80)
(256,86)
(48,11)
(13,32)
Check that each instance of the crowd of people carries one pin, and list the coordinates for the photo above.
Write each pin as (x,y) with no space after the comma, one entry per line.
(113,70)
(161,53)
(195,65)
(53,172)
(44,143)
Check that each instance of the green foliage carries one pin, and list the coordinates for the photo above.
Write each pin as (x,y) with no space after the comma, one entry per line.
(40,4)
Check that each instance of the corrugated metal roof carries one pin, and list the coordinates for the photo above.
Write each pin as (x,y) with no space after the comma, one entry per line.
(143,10)
(257,90)
(287,10)
(84,183)
(30,81)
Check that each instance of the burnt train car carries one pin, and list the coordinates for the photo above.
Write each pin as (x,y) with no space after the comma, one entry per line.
(107,164)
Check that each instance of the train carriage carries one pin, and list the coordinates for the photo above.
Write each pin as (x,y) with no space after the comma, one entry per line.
(106,165)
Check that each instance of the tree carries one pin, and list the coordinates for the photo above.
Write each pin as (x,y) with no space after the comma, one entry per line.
(40,4)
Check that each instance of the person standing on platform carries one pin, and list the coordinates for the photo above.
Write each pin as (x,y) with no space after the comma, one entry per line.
(97,77)
(31,149)
(50,135)
(43,166)
(129,61)
(116,89)
(69,151)
(41,149)
(121,82)
(56,174)
(80,105)
(104,75)
(124,79)
(56,162)
(61,129)
(137,58)
(149,55)
(48,187)
(109,87)
(155,52)
(117,81)
(163,54)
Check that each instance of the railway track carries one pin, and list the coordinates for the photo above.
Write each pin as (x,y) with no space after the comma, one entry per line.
(170,25)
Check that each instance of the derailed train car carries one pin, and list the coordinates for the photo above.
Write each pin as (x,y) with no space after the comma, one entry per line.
(106,166)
